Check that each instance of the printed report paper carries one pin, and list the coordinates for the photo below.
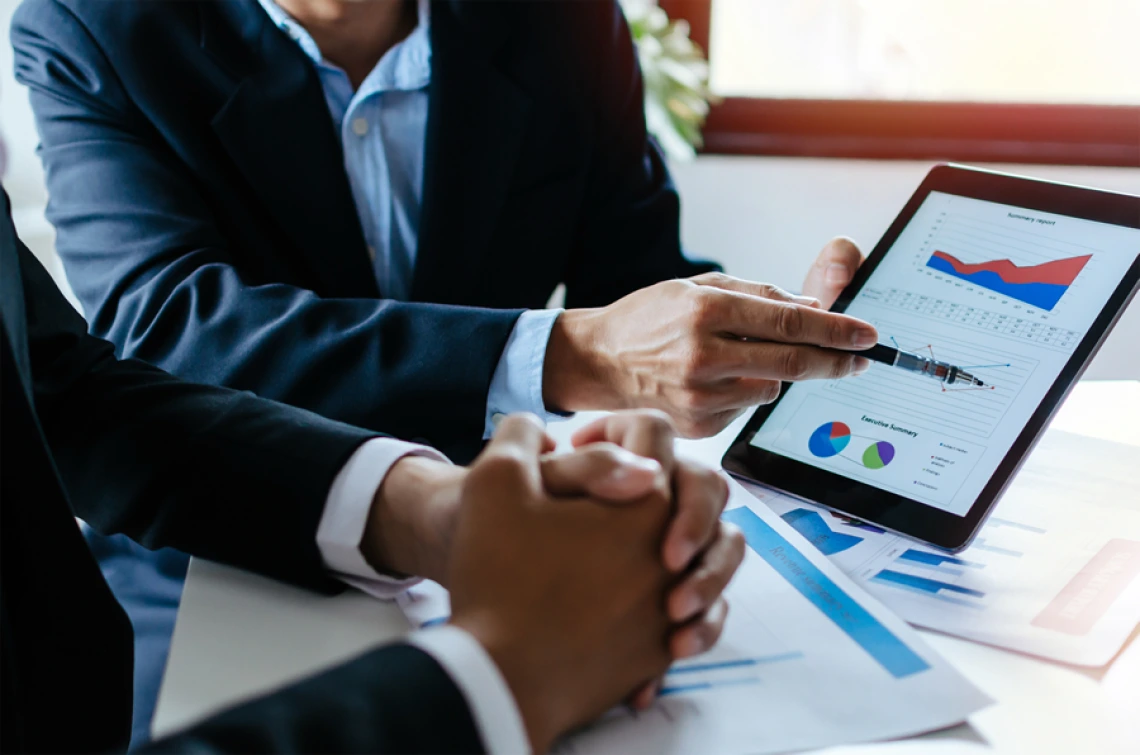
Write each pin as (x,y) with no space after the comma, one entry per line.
(807,660)
(1055,572)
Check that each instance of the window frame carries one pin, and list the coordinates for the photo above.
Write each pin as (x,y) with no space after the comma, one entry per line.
(890,129)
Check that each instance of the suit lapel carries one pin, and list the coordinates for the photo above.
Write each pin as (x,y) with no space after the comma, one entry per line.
(476,120)
(277,129)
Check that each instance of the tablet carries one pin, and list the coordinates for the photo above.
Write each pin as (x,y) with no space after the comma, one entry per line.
(1016,282)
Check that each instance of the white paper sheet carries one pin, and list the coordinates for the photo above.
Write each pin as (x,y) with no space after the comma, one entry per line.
(1055,572)
(807,660)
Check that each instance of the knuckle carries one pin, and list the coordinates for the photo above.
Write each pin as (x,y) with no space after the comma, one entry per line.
(689,427)
(712,279)
(709,631)
(696,403)
(710,425)
(599,456)
(503,466)
(736,542)
(725,608)
(793,366)
(708,589)
(513,423)
(704,307)
(789,322)
(837,332)
(769,391)
(771,291)
(694,364)
(720,490)
(655,420)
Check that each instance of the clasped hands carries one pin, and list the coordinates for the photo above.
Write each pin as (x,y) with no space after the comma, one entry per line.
(584,574)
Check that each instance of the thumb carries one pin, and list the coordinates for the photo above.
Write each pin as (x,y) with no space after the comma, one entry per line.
(602,470)
(522,438)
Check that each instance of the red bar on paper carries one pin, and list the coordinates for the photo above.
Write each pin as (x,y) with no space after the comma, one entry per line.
(1090,594)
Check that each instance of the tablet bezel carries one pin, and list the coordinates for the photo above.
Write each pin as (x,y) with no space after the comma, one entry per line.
(903,515)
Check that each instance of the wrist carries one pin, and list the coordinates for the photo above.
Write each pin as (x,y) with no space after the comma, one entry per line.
(577,371)
(408,532)
(507,653)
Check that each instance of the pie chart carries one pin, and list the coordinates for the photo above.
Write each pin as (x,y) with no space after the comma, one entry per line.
(878,455)
(829,439)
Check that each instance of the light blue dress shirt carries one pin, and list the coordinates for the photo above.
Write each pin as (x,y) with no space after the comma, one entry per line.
(383,131)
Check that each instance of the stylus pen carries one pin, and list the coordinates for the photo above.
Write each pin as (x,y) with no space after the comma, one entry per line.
(947,373)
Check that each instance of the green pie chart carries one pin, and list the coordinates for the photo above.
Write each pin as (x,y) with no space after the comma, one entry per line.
(878,455)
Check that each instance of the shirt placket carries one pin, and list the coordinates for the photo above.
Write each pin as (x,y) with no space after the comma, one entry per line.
(367,168)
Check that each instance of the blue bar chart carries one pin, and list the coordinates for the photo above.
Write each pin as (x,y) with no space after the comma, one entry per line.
(811,525)
(934,588)
(927,558)
(890,652)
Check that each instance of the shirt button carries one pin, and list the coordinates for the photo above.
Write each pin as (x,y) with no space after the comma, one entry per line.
(359,126)
(372,252)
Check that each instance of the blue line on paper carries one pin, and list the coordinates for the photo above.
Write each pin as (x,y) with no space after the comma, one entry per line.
(865,630)
(698,686)
(737,663)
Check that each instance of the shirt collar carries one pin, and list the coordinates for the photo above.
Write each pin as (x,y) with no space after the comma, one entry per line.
(412,70)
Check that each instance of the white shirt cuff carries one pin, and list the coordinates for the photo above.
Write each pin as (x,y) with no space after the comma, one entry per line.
(516,385)
(492,705)
(346,514)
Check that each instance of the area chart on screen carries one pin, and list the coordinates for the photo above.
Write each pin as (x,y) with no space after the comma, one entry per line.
(1040,286)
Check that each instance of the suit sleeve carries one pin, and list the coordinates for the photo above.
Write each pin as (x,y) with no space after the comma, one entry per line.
(210,471)
(160,278)
(396,699)
(630,233)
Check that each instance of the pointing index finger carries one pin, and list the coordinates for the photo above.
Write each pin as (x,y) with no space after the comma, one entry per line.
(759,319)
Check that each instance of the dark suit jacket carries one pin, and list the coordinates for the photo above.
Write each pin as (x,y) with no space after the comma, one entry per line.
(218,473)
(207,225)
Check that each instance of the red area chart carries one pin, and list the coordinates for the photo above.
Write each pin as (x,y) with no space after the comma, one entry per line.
(1040,286)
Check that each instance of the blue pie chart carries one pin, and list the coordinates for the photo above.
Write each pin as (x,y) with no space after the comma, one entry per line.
(829,439)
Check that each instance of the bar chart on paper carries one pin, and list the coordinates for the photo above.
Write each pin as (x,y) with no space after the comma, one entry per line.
(1055,572)
(800,642)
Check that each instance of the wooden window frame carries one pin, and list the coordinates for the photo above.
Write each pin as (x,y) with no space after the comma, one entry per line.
(887,129)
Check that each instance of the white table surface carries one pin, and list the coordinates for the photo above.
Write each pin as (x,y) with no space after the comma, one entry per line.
(239,635)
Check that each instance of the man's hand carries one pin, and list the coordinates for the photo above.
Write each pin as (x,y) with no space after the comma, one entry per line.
(621,457)
(702,350)
(566,594)
(412,520)
(833,270)
(701,550)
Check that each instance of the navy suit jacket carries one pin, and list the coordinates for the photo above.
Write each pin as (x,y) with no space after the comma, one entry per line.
(207,225)
(218,473)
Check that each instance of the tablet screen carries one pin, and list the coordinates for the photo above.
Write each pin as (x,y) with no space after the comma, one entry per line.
(1003,292)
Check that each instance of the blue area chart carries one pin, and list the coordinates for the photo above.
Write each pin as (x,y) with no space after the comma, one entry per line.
(829,439)
(1037,285)
(815,530)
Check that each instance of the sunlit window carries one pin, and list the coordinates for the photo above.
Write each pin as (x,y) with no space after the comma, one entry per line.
(1030,51)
